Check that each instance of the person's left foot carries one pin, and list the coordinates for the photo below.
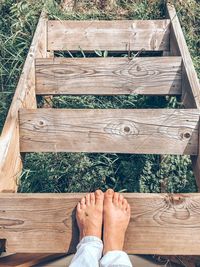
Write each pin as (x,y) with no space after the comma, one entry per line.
(89,214)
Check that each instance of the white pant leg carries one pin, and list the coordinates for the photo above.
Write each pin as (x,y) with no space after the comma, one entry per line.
(89,252)
(115,258)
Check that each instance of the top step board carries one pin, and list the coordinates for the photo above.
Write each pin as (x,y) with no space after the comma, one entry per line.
(119,35)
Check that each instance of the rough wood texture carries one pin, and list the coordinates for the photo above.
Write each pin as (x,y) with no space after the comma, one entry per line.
(27,259)
(108,35)
(10,160)
(109,76)
(178,47)
(190,82)
(151,131)
(160,223)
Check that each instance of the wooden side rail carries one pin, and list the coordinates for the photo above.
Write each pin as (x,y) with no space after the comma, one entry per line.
(147,131)
(24,97)
(190,81)
(112,35)
(45,223)
(109,76)
(178,47)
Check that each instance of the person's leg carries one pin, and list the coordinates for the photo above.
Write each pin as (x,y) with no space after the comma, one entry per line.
(116,215)
(89,217)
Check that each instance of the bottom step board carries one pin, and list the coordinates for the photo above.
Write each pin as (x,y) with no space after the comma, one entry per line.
(27,259)
(162,224)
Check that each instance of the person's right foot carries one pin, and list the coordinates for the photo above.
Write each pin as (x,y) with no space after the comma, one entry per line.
(89,214)
(116,216)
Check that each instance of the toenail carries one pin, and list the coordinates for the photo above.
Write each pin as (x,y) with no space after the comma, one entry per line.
(110,191)
(98,192)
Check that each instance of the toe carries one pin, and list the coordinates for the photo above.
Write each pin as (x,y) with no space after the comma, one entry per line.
(116,198)
(83,202)
(87,198)
(108,196)
(92,198)
(128,209)
(124,204)
(99,196)
(78,208)
(121,199)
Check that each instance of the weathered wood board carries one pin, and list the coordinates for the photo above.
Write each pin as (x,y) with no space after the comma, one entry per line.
(118,35)
(10,158)
(160,223)
(147,131)
(27,259)
(109,76)
(178,47)
(190,81)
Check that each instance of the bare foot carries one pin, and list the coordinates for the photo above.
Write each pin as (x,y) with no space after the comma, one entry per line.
(116,212)
(89,214)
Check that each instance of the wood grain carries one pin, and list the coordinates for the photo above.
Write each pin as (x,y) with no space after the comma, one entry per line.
(151,131)
(27,259)
(179,47)
(160,223)
(190,81)
(109,76)
(121,35)
(10,159)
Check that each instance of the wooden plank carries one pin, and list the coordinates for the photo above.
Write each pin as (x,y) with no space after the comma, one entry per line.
(160,223)
(109,76)
(190,82)
(178,47)
(10,159)
(149,131)
(112,35)
(27,259)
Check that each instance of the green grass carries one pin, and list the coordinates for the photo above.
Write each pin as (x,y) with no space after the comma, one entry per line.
(17,26)
(73,172)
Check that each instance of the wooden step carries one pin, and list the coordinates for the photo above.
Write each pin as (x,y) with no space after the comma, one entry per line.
(45,223)
(146,131)
(28,259)
(121,35)
(109,76)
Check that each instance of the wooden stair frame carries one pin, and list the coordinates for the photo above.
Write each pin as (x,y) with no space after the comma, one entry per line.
(45,223)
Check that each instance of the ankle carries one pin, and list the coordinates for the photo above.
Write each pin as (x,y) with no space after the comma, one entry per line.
(111,244)
(112,248)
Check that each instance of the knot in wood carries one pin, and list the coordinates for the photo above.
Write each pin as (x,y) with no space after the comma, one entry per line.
(178,209)
(138,68)
(122,127)
(174,200)
(39,124)
(185,135)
